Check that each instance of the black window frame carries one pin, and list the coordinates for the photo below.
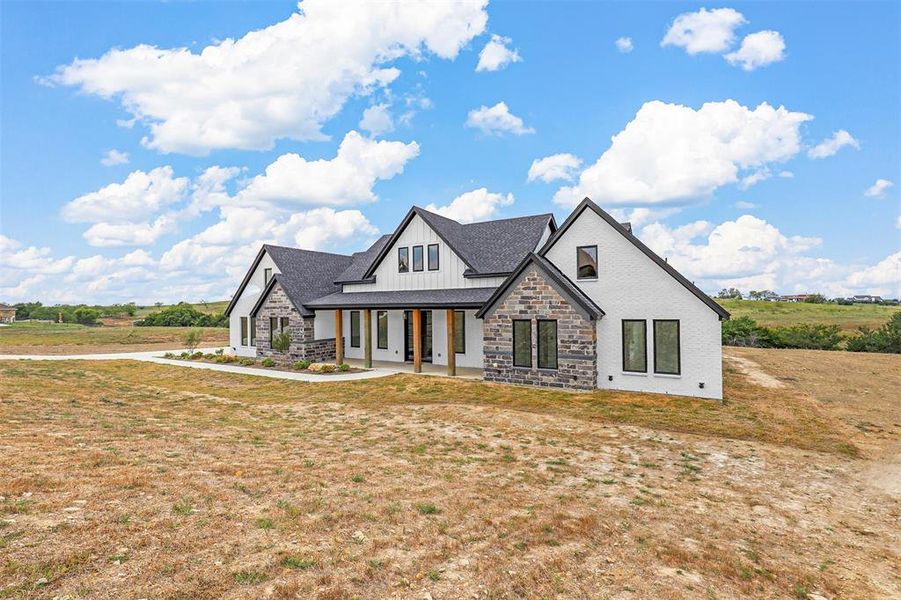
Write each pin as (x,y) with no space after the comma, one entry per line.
(273,326)
(253,330)
(623,340)
(460,321)
(381,343)
(421,260)
(678,346)
(578,275)
(245,331)
(284,324)
(267,275)
(355,329)
(437,257)
(556,344)
(513,336)
(403,265)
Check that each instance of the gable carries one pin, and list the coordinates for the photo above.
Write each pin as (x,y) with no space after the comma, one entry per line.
(253,282)
(588,224)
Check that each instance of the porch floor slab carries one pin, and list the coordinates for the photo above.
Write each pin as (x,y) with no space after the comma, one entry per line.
(427,368)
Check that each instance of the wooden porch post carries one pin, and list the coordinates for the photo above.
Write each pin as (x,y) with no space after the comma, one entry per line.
(367,334)
(451,342)
(417,340)
(339,337)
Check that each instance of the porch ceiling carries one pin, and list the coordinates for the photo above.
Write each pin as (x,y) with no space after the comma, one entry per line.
(444,298)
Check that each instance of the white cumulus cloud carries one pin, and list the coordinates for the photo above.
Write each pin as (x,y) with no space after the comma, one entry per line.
(477,205)
(758,50)
(704,30)
(496,120)
(553,167)
(138,196)
(114,157)
(672,153)
(884,275)
(377,120)
(496,55)
(347,178)
(830,146)
(624,44)
(282,81)
(877,190)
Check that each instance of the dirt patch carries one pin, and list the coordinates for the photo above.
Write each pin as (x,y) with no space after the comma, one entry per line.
(752,371)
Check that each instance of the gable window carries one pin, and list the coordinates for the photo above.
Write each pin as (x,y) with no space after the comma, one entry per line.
(433,257)
(277,325)
(403,260)
(244,331)
(587,262)
(417,258)
(354,329)
(267,275)
(522,343)
(381,318)
(635,345)
(547,344)
(459,332)
(284,324)
(667,359)
(253,331)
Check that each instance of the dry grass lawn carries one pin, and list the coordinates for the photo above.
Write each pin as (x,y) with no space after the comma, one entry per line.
(134,480)
(69,338)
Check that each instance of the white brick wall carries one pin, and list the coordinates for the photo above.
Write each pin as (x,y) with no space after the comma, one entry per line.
(245,302)
(631,286)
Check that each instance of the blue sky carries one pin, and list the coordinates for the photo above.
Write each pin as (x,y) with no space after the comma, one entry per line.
(757,144)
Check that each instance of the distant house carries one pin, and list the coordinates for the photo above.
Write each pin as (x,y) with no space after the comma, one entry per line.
(795,298)
(865,299)
(7,313)
(583,306)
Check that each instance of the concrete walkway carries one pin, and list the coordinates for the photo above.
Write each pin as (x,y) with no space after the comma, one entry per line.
(154,356)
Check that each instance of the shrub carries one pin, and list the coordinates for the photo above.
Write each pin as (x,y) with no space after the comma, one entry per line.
(810,337)
(302,365)
(885,339)
(281,342)
(168,355)
(268,362)
(327,369)
(248,361)
(185,355)
(192,339)
(209,356)
(197,356)
(182,315)
(742,331)
(86,316)
(344,367)
(220,351)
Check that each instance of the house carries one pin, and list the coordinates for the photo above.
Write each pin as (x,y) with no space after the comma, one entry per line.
(7,313)
(865,299)
(581,306)
(795,298)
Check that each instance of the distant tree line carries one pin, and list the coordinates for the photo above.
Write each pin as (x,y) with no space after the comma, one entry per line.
(182,315)
(84,314)
(744,331)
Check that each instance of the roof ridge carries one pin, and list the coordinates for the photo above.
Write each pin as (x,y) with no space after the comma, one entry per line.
(306,250)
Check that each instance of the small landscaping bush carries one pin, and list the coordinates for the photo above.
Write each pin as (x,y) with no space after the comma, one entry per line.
(281,342)
(268,362)
(185,355)
(302,365)
(168,355)
(197,355)
(344,367)
(248,361)
(327,369)
(192,339)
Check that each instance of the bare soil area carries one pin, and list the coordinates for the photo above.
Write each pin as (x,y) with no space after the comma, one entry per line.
(136,480)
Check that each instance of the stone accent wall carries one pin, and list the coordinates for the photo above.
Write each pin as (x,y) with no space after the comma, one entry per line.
(535,298)
(304,346)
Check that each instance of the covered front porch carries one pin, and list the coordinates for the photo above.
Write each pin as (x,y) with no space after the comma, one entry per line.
(423,331)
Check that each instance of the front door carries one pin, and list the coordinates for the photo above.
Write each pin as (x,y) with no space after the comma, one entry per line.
(426,335)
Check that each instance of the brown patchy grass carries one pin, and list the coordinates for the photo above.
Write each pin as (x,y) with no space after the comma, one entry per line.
(131,480)
(67,338)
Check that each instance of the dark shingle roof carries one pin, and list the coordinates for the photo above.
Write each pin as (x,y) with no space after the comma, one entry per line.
(446,298)
(362,260)
(305,274)
(489,247)
(568,289)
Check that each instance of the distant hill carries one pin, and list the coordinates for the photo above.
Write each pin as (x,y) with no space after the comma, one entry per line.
(848,318)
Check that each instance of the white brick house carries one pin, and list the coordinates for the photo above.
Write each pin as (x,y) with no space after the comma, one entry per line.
(581,306)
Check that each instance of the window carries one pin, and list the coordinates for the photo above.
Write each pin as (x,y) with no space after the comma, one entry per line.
(382,325)
(253,331)
(285,323)
(433,257)
(354,329)
(635,346)
(547,344)
(417,258)
(522,343)
(587,262)
(459,332)
(273,328)
(403,260)
(244,331)
(666,347)
(267,275)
